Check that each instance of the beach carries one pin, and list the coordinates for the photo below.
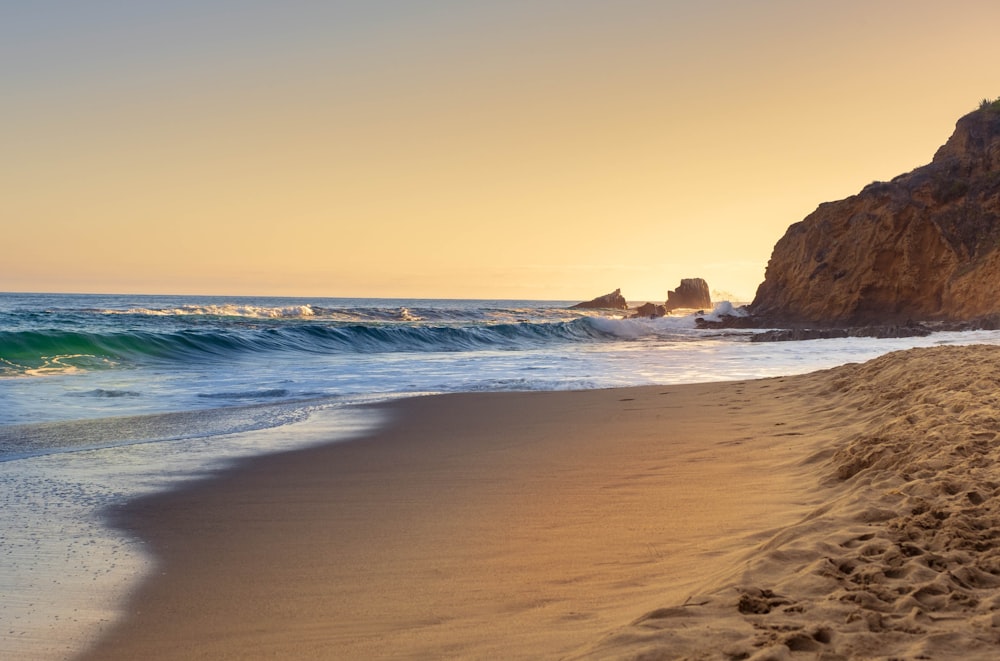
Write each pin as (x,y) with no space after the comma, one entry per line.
(847,513)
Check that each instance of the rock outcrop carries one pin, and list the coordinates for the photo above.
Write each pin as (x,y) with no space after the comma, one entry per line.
(691,293)
(649,311)
(924,246)
(881,332)
(612,301)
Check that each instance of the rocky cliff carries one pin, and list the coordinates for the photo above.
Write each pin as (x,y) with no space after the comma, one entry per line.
(924,246)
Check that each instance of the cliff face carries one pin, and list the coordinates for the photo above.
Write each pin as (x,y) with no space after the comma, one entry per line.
(924,246)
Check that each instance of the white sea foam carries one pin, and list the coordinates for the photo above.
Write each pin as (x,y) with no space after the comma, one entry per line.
(228,310)
(632,329)
(667,326)
(60,365)
(405,315)
(726,309)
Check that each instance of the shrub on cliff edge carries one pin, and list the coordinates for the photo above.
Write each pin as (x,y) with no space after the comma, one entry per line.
(990,104)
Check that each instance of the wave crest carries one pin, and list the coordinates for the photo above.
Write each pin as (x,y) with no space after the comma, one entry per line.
(226,310)
(310,330)
(39,352)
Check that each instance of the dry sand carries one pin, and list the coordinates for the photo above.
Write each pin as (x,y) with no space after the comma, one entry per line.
(851,513)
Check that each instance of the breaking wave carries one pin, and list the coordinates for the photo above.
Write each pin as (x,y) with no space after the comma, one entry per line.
(39,352)
(224,310)
(68,340)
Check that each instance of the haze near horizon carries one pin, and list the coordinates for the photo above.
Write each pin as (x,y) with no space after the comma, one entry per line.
(548,150)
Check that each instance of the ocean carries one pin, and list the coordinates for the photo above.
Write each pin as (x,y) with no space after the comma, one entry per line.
(106,398)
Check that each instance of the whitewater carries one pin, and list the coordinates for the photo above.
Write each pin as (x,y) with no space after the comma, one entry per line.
(107,398)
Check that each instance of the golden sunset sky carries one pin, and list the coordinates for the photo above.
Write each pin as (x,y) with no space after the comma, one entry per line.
(507,149)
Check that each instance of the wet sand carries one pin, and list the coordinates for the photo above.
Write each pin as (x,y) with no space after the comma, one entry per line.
(849,513)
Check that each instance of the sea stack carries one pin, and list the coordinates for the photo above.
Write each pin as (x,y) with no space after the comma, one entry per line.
(924,246)
(691,293)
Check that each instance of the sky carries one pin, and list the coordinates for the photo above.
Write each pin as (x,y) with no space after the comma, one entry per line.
(542,149)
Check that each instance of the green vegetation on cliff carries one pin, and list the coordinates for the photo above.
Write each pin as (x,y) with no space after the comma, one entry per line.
(987,104)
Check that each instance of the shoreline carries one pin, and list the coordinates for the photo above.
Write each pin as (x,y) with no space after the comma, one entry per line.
(539,525)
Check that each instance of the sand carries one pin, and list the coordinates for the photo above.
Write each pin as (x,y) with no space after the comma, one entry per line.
(850,513)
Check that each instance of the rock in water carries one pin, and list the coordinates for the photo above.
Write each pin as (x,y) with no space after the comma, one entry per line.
(924,246)
(612,301)
(650,311)
(692,293)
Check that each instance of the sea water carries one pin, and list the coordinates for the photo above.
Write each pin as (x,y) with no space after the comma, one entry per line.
(105,398)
